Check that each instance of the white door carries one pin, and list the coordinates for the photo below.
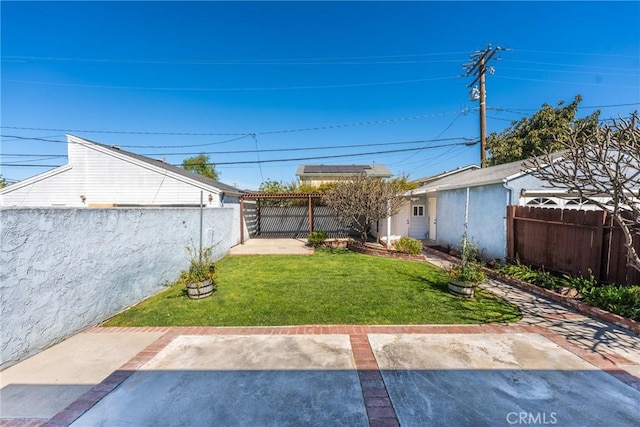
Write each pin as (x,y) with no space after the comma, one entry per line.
(418,222)
(432,218)
(401,221)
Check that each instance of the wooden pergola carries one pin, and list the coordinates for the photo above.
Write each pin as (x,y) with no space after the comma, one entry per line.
(277,196)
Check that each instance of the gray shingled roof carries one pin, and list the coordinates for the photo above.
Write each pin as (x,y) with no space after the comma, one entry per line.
(175,169)
(478,177)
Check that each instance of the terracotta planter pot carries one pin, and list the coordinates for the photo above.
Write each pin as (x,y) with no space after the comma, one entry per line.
(200,290)
(462,289)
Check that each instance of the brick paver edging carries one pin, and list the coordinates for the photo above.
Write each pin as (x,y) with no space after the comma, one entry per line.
(598,313)
(378,404)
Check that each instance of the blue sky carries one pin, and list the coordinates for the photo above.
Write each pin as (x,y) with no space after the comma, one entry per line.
(301,78)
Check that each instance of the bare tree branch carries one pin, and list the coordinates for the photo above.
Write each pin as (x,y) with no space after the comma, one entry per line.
(363,200)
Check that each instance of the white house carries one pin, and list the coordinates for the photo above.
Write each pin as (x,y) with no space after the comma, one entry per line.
(98,175)
(415,219)
(438,210)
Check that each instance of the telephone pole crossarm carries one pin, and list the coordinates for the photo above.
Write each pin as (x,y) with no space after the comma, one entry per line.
(478,68)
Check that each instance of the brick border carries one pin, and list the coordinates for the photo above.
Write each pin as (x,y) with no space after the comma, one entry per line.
(378,404)
(572,303)
(88,400)
(380,410)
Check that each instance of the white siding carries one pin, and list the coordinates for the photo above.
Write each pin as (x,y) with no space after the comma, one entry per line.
(399,224)
(106,178)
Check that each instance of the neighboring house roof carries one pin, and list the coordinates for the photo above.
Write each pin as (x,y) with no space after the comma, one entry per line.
(335,171)
(477,177)
(427,179)
(136,159)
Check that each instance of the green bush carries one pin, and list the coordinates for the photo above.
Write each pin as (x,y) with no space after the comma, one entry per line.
(622,300)
(317,238)
(408,245)
(527,274)
(468,272)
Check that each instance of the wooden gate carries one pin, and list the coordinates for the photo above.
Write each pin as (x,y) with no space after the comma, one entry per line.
(569,241)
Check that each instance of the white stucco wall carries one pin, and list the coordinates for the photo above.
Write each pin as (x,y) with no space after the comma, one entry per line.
(63,270)
(487,212)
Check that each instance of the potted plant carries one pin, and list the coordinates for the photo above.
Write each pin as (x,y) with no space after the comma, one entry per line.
(199,278)
(464,277)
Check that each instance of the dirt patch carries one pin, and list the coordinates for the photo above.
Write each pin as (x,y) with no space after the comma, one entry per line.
(379,250)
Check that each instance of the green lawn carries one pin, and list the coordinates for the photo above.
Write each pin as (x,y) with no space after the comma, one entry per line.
(325,288)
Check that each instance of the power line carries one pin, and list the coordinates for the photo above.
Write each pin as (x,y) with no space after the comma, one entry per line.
(328,147)
(276,150)
(20,162)
(565,82)
(219,62)
(572,71)
(479,68)
(128,132)
(255,139)
(575,53)
(243,134)
(555,64)
(335,156)
(231,89)
(469,144)
(519,110)
(31,155)
(438,136)
(130,146)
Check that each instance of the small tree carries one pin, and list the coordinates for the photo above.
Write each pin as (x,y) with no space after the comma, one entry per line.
(601,165)
(201,165)
(3,181)
(363,200)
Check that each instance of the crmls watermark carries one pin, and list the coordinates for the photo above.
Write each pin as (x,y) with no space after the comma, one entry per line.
(532,418)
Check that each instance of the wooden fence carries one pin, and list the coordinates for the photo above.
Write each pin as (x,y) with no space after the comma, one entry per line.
(570,241)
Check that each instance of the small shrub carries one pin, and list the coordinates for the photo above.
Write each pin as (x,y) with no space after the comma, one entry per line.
(468,273)
(317,238)
(408,245)
(622,300)
(527,274)
(201,267)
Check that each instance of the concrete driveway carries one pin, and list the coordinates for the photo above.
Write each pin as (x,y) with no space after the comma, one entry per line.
(320,375)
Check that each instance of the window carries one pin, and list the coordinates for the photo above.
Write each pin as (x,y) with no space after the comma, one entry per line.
(541,201)
(418,211)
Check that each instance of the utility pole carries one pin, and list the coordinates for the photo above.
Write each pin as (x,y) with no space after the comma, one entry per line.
(478,68)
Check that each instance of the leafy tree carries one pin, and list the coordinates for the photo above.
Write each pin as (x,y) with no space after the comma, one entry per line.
(405,184)
(201,165)
(311,188)
(3,181)
(545,131)
(271,186)
(601,165)
(363,200)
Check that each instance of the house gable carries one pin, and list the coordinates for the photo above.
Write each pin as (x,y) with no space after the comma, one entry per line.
(99,175)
